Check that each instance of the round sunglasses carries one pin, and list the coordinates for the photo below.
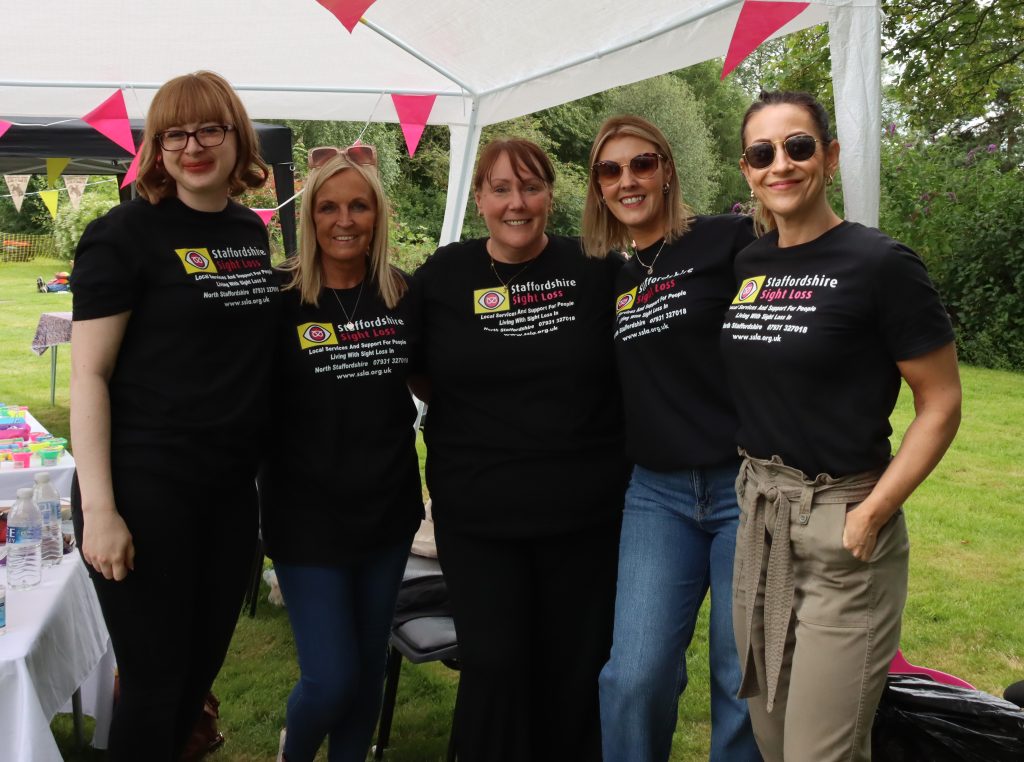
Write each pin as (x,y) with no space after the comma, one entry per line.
(642,166)
(797,147)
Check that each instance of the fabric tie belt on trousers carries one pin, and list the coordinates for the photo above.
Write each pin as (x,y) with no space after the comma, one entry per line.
(770,485)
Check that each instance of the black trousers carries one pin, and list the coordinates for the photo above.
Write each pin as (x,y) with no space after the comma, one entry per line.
(171,619)
(534,623)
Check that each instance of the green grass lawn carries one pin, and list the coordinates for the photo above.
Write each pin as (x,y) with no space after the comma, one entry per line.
(966,579)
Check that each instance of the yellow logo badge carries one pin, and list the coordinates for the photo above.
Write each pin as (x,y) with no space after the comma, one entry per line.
(490,300)
(749,289)
(196,260)
(316,335)
(626,301)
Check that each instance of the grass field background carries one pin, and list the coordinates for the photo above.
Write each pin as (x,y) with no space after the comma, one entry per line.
(963,614)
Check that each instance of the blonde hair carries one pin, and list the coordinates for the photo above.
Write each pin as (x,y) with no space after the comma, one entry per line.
(196,98)
(602,231)
(305,269)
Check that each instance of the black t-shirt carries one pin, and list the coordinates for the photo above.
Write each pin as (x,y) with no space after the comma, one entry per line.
(192,372)
(342,477)
(811,343)
(679,413)
(524,431)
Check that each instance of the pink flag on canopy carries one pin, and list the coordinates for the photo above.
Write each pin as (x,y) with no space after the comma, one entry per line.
(348,12)
(110,118)
(413,112)
(4,126)
(757,22)
(133,171)
(265,214)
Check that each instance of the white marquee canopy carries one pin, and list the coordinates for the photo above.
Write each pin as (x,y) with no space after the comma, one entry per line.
(486,60)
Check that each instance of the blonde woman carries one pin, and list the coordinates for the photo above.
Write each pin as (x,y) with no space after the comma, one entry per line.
(342,495)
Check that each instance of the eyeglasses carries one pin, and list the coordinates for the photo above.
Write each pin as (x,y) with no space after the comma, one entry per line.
(358,154)
(210,136)
(797,147)
(641,166)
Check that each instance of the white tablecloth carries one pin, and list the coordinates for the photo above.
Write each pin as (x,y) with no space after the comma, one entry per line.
(56,641)
(60,474)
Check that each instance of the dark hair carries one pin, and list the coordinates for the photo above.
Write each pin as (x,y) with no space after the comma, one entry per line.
(792,98)
(521,153)
(198,97)
(764,221)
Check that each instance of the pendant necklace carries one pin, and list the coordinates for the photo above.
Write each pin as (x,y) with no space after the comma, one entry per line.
(349,319)
(505,283)
(650,267)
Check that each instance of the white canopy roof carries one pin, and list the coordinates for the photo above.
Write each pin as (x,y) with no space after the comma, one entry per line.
(486,60)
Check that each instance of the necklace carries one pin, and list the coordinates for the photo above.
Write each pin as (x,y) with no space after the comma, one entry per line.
(349,319)
(505,283)
(650,267)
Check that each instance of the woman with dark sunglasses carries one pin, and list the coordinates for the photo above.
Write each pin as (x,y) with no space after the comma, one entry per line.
(830,315)
(341,488)
(173,302)
(680,520)
(524,465)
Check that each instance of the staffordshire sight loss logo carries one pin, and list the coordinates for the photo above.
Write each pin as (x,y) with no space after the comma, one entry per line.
(626,301)
(749,289)
(316,335)
(490,300)
(196,260)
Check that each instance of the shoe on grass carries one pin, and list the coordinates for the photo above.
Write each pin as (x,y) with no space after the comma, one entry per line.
(40,286)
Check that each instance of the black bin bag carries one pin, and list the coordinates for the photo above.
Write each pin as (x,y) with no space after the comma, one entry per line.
(920,720)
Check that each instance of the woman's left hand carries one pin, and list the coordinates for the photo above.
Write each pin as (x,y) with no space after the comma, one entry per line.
(861,532)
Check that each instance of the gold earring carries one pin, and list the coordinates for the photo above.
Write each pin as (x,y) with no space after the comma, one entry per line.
(751,194)
(830,179)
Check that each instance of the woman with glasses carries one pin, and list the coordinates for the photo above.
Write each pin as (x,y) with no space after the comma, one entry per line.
(524,465)
(341,487)
(830,315)
(679,525)
(173,301)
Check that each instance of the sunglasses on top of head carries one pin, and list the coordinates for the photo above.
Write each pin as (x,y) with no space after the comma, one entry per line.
(797,147)
(357,154)
(642,166)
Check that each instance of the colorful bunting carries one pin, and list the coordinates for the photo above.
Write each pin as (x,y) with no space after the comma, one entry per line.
(757,22)
(265,214)
(348,12)
(75,185)
(49,198)
(413,112)
(133,171)
(54,168)
(110,118)
(4,126)
(17,185)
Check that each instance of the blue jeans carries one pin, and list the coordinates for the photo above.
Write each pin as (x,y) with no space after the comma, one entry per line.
(678,539)
(341,620)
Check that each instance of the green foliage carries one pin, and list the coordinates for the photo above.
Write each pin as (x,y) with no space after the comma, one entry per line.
(669,103)
(963,211)
(97,200)
(33,217)
(960,64)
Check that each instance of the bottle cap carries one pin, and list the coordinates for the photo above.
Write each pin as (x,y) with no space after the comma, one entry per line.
(42,477)
(25,493)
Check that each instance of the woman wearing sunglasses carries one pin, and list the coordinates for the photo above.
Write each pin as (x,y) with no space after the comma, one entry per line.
(173,301)
(524,466)
(679,525)
(342,496)
(829,316)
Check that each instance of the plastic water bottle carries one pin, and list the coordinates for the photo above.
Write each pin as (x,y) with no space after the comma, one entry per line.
(24,540)
(47,500)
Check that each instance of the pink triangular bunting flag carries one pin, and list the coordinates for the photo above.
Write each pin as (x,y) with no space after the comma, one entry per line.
(348,12)
(4,126)
(757,22)
(133,171)
(111,119)
(265,214)
(413,112)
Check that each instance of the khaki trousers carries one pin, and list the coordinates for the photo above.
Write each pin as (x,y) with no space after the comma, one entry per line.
(815,627)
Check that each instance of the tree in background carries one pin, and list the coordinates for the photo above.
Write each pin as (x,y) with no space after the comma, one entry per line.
(98,198)
(33,218)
